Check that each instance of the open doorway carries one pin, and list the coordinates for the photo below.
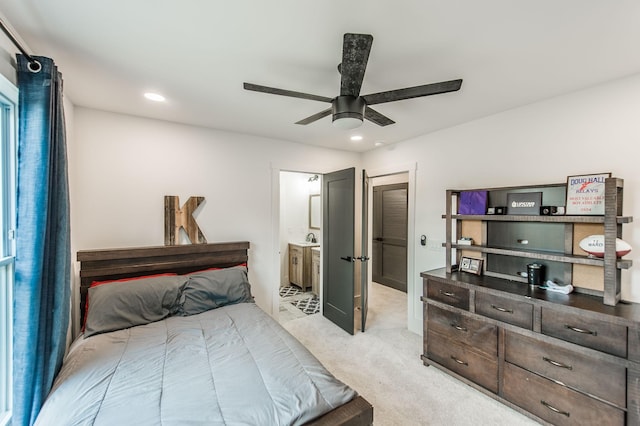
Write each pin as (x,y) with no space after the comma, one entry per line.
(300,243)
(389,295)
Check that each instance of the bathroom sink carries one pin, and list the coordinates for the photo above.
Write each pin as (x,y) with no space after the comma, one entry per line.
(308,244)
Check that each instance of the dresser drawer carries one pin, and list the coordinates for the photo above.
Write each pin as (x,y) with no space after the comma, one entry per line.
(449,294)
(595,334)
(462,360)
(481,336)
(506,310)
(555,403)
(599,378)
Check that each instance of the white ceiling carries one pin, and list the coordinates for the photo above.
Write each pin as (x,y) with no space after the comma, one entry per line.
(199,52)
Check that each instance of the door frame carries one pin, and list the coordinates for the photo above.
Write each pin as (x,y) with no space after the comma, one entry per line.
(378,265)
(414,281)
(274,275)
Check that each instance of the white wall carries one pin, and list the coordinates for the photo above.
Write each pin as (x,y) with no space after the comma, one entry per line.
(591,131)
(7,65)
(123,166)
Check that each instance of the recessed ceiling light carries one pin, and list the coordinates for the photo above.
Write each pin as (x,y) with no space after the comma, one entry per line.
(154,97)
(356,138)
(379,143)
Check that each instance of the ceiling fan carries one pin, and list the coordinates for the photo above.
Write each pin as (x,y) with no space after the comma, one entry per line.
(349,108)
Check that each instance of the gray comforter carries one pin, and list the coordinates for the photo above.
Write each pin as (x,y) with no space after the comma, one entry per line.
(228,366)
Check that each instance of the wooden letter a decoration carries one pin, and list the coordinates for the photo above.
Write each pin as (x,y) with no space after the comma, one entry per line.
(176,218)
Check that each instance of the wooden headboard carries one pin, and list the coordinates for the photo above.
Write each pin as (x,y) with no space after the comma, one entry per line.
(113,264)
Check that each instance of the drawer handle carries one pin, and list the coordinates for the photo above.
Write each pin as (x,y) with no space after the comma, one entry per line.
(498,308)
(556,363)
(458,327)
(449,294)
(459,361)
(581,330)
(554,409)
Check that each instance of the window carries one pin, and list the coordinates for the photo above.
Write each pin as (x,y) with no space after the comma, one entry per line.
(8,136)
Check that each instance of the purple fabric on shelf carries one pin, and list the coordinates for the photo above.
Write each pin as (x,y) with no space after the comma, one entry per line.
(472,202)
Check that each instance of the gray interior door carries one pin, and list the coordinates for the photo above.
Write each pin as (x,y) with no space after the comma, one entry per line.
(389,239)
(364,256)
(338,210)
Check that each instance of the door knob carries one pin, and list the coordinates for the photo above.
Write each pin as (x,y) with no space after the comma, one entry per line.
(353,259)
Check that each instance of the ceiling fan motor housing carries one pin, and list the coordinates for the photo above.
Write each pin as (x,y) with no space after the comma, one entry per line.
(347,107)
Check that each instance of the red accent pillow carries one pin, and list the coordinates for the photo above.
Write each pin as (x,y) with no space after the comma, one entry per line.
(121,280)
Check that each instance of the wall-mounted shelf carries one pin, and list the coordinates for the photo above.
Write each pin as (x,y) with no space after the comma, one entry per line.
(611,221)
(539,255)
(552,219)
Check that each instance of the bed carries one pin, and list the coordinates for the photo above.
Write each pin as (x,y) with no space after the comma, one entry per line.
(172,336)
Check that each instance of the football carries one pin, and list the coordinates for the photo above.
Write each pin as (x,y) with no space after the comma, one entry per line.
(594,244)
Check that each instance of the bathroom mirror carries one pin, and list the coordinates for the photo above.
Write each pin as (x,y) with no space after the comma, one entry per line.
(314,211)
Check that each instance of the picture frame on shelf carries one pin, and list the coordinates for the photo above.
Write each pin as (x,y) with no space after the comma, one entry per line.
(585,194)
(471,265)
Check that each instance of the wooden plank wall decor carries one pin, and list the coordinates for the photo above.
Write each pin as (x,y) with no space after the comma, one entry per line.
(176,218)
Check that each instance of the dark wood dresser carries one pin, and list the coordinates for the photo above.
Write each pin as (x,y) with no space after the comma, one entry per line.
(563,359)
(560,359)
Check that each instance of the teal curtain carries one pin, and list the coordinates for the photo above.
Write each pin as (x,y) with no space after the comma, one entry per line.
(43,256)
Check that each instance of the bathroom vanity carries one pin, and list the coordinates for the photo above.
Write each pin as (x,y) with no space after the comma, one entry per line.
(300,264)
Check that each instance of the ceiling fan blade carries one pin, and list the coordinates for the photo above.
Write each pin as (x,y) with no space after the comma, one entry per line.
(375,117)
(413,92)
(315,117)
(282,92)
(355,55)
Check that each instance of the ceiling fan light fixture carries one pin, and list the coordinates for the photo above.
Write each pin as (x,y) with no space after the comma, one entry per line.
(348,112)
(347,123)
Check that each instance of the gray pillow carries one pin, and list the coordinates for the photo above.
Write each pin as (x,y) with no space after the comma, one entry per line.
(212,289)
(123,304)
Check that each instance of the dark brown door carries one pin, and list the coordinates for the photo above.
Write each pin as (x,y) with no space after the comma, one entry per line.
(339,246)
(338,225)
(389,237)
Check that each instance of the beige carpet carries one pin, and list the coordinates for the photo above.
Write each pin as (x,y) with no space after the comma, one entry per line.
(384,366)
